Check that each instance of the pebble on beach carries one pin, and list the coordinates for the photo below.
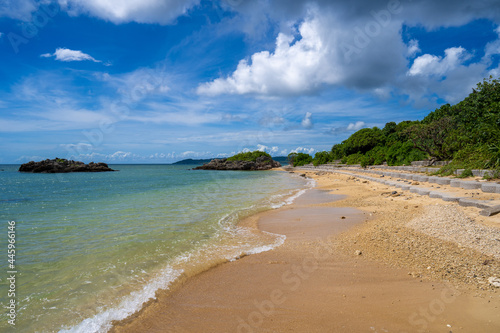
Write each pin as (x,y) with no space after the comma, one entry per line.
(494,281)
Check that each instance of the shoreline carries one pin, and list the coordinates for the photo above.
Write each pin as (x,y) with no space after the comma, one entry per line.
(221,240)
(316,282)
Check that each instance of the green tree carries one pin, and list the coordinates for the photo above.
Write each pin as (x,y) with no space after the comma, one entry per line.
(299,159)
(434,138)
(363,140)
(322,157)
(338,151)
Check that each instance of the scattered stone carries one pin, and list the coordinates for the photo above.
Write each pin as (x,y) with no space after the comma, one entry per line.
(343,217)
(494,281)
(358,253)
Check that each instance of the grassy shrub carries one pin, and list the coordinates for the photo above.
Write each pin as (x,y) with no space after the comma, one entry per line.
(466,173)
(249,156)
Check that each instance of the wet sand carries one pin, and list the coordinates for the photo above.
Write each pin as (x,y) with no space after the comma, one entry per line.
(311,285)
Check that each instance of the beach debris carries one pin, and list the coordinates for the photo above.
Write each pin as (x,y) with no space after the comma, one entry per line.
(358,252)
(487,262)
(494,281)
(415,183)
(303,175)
(343,217)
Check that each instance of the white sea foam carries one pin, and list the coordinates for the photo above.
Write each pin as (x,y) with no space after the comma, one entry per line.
(292,196)
(290,200)
(101,322)
(248,244)
(280,240)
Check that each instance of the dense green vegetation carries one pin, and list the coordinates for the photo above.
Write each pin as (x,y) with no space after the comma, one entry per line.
(467,133)
(299,159)
(249,156)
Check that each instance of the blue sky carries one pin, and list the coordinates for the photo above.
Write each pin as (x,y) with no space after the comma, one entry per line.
(156,81)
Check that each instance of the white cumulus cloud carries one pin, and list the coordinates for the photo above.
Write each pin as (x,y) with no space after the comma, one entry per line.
(120,155)
(413,48)
(352,127)
(122,11)
(295,66)
(262,148)
(307,121)
(305,150)
(63,54)
(355,126)
(429,64)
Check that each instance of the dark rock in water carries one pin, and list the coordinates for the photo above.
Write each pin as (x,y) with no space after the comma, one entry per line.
(60,165)
(261,163)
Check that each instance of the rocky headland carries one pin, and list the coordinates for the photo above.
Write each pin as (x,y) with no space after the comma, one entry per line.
(260,163)
(60,165)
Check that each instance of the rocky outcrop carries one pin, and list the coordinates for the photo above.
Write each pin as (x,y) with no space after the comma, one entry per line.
(60,165)
(261,163)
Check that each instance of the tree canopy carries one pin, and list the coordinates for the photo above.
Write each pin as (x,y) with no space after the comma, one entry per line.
(468,133)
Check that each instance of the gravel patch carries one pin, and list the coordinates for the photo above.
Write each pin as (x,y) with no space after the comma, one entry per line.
(449,224)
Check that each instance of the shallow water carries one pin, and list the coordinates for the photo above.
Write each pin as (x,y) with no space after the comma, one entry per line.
(92,247)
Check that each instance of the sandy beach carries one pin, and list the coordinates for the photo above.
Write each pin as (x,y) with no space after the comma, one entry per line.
(356,259)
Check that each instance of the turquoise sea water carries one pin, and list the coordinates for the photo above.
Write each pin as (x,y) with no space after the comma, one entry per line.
(92,247)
